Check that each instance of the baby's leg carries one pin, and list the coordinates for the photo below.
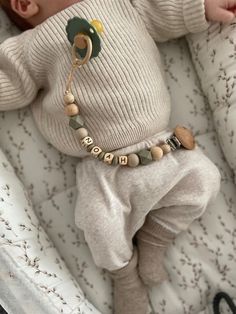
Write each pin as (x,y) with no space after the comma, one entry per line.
(152,242)
(184,202)
(97,213)
(130,294)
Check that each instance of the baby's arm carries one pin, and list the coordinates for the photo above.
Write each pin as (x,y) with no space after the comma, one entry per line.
(17,85)
(167,19)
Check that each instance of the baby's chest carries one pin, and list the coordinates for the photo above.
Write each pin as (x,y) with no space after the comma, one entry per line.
(126,69)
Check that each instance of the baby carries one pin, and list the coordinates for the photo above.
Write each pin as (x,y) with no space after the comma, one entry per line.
(129,215)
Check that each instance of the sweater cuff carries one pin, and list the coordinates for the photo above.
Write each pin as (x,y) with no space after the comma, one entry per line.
(194,15)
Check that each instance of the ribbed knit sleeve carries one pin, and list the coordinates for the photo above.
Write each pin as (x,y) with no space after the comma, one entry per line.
(17,85)
(167,19)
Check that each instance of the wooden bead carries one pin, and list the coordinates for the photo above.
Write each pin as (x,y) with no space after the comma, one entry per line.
(71,110)
(87,141)
(81,133)
(80,42)
(123,160)
(69,98)
(157,153)
(108,158)
(133,160)
(166,148)
(96,151)
(185,136)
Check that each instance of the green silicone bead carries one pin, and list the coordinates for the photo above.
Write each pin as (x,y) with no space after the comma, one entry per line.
(115,161)
(76,122)
(90,147)
(101,155)
(145,156)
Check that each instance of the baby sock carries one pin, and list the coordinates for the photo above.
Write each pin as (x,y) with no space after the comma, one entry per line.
(152,242)
(130,294)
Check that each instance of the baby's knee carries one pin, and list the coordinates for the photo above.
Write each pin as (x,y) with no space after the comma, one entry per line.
(207,181)
(109,248)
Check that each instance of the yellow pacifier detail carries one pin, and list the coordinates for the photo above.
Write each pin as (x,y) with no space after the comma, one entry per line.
(98,26)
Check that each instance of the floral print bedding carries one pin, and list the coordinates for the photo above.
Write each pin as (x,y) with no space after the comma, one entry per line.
(214,56)
(45,263)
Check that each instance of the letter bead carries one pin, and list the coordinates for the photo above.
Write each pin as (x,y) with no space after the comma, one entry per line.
(96,151)
(123,160)
(87,141)
(108,158)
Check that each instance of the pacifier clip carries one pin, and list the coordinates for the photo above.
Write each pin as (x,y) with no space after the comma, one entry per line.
(86,44)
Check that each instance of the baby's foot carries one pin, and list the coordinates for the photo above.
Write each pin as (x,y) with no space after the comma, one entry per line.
(151,268)
(152,242)
(130,294)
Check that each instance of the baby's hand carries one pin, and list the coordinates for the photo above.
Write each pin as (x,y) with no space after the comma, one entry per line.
(220,10)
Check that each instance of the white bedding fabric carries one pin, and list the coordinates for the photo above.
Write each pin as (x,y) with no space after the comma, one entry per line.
(45,264)
(214,56)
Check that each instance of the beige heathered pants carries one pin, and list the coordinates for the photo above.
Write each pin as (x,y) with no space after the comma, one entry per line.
(113,201)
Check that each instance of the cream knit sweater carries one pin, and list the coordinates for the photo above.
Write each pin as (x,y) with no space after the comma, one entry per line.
(122,93)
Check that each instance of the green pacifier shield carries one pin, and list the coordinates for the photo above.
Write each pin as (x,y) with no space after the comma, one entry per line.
(77,25)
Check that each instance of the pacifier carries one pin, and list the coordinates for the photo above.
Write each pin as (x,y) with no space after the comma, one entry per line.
(84,38)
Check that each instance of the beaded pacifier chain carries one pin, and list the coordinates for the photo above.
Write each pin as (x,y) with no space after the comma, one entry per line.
(86,45)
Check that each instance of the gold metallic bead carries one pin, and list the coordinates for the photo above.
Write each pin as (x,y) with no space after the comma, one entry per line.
(69,98)
(157,153)
(71,110)
(166,148)
(81,133)
(133,160)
